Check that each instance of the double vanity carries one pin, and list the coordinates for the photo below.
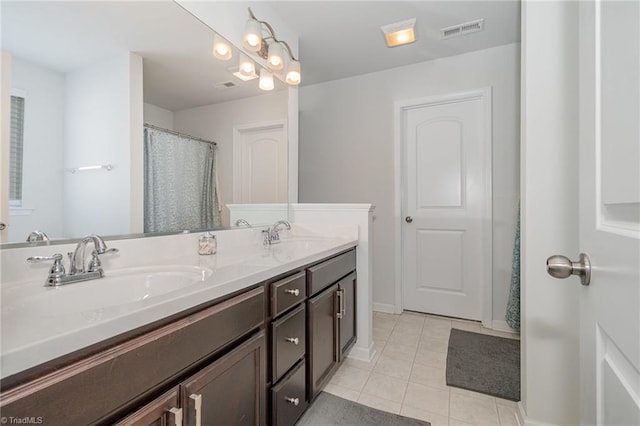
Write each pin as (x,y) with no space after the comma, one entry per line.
(249,335)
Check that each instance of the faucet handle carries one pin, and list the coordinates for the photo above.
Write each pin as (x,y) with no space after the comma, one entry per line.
(55,257)
(56,270)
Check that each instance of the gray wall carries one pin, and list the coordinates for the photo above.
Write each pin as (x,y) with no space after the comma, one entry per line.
(347,155)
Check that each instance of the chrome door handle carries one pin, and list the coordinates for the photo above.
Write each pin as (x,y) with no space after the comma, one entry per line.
(293,340)
(408,219)
(559,266)
(3,226)
(196,399)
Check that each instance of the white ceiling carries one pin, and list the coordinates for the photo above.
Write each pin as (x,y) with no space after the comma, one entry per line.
(338,39)
(341,39)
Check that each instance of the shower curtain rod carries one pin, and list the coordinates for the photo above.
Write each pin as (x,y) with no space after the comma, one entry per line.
(173,132)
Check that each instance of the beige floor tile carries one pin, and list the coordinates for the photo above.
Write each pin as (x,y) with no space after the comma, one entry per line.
(363,365)
(342,392)
(392,367)
(412,317)
(473,410)
(507,416)
(385,323)
(379,403)
(456,422)
(472,394)
(430,358)
(428,376)
(397,351)
(385,315)
(506,402)
(436,331)
(350,378)
(416,413)
(404,338)
(385,387)
(436,320)
(433,344)
(381,333)
(466,325)
(427,398)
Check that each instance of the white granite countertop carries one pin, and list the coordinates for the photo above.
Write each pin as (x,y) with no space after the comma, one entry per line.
(42,323)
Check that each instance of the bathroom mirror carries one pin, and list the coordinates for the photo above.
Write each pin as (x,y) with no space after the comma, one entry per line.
(91,75)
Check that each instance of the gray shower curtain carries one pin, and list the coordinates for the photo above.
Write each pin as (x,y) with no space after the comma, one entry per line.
(179,183)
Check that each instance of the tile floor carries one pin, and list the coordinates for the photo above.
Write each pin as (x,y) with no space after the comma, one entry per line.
(407,375)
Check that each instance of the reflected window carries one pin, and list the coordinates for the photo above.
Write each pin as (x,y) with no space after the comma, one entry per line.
(16,153)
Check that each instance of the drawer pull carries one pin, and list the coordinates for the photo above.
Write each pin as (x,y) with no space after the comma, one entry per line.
(293,340)
(175,417)
(294,401)
(197,405)
(295,292)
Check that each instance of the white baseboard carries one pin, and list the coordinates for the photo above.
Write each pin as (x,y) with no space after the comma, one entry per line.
(523,420)
(384,307)
(362,354)
(501,325)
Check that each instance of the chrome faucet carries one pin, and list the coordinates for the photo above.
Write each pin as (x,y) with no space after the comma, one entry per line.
(78,269)
(243,222)
(36,236)
(271,235)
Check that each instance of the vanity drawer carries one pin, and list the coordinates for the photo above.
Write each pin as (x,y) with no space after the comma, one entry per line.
(98,388)
(287,293)
(289,343)
(330,271)
(286,394)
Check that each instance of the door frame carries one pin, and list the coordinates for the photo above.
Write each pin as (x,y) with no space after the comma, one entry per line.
(400,107)
(238,131)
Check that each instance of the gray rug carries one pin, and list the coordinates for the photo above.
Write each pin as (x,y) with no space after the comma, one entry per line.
(486,364)
(328,409)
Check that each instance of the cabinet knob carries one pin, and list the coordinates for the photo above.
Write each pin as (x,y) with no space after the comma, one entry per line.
(294,401)
(295,292)
(293,340)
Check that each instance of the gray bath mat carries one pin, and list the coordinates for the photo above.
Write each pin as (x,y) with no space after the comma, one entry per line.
(486,364)
(328,409)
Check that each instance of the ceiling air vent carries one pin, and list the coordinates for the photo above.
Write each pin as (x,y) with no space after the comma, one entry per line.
(225,85)
(462,29)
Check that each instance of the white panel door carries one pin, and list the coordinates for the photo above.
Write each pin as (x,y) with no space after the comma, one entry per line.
(446,178)
(260,165)
(610,211)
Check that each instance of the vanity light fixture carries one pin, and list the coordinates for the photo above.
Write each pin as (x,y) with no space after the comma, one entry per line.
(266,80)
(221,48)
(268,47)
(400,33)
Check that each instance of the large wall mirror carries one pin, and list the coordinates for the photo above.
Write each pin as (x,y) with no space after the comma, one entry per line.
(96,84)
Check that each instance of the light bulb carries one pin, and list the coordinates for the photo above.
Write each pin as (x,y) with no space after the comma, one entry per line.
(221,48)
(293,73)
(246,66)
(275,60)
(252,38)
(266,80)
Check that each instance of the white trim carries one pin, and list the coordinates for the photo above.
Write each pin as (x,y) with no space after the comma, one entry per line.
(387,308)
(237,157)
(523,420)
(292,144)
(501,325)
(333,207)
(485,94)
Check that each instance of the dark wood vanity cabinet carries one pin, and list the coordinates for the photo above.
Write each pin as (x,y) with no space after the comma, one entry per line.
(231,391)
(331,318)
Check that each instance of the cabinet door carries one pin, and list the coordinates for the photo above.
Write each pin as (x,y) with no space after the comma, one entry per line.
(322,336)
(347,289)
(162,411)
(231,391)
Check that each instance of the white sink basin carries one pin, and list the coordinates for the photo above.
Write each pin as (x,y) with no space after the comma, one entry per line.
(117,288)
